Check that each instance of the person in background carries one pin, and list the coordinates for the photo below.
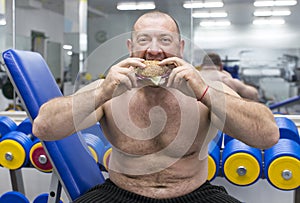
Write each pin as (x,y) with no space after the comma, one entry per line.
(159,132)
(212,69)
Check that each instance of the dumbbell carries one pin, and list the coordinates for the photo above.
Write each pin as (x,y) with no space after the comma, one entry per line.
(97,130)
(214,156)
(39,158)
(43,198)
(37,154)
(6,125)
(98,149)
(13,197)
(242,164)
(15,147)
(94,144)
(282,161)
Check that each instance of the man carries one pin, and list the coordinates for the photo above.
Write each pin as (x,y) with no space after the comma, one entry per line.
(159,132)
(212,69)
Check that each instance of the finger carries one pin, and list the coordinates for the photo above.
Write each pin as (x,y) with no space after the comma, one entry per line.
(171,79)
(131,75)
(179,78)
(124,80)
(173,74)
(127,72)
(135,62)
(172,60)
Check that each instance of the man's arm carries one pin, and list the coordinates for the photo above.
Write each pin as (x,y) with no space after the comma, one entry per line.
(251,122)
(244,90)
(62,116)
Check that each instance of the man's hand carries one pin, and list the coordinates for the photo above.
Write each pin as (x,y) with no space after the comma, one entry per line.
(121,77)
(185,77)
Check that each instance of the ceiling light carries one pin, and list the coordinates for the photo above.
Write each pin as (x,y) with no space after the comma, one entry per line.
(209,14)
(2,21)
(67,47)
(124,6)
(268,22)
(203,4)
(275,3)
(264,13)
(210,23)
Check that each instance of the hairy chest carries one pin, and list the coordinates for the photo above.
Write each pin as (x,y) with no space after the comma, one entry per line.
(146,123)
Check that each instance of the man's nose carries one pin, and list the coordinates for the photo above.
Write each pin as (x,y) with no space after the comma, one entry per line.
(154,48)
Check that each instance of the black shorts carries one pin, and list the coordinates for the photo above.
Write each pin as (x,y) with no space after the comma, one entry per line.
(108,192)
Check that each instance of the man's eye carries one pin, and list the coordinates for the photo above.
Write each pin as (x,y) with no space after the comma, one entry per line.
(143,40)
(166,40)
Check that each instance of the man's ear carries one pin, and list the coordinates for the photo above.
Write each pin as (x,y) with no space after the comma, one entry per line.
(182,43)
(221,68)
(129,47)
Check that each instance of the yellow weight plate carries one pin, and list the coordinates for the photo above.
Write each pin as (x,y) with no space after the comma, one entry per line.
(211,168)
(17,152)
(241,160)
(288,164)
(88,76)
(94,154)
(106,158)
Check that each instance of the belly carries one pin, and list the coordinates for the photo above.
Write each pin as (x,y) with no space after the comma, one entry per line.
(183,177)
(156,144)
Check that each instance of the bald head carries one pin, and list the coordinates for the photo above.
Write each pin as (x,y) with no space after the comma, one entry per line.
(154,15)
(155,35)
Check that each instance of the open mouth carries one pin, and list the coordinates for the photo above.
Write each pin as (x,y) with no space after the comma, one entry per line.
(153,72)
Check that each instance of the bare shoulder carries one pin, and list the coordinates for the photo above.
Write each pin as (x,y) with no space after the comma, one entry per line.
(226,73)
(213,75)
(209,74)
(221,86)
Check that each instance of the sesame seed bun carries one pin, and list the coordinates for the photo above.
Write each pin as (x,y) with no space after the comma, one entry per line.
(152,69)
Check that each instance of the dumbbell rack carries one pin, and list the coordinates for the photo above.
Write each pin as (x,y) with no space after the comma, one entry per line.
(296,120)
(18,185)
(16,175)
(266,159)
(94,141)
(16,178)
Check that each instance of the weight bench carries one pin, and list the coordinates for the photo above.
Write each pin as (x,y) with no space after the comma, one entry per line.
(74,168)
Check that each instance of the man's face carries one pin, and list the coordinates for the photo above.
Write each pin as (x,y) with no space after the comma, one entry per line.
(155,39)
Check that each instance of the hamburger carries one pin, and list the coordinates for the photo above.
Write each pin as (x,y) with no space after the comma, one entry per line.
(153,72)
